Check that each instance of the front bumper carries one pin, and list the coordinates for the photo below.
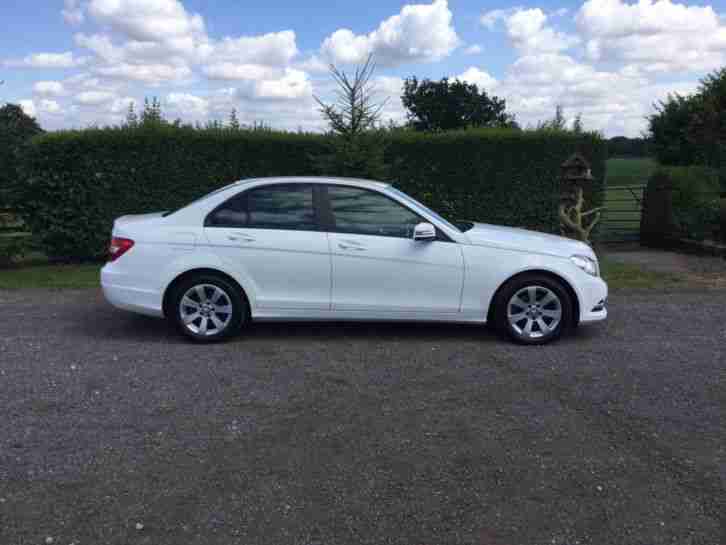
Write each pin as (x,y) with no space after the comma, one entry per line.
(593,300)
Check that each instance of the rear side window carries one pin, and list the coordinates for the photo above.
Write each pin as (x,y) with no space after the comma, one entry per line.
(270,207)
(365,212)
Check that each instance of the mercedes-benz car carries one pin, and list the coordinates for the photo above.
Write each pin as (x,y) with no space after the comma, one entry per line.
(343,249)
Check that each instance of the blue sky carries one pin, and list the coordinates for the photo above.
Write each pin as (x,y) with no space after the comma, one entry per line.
(72,63)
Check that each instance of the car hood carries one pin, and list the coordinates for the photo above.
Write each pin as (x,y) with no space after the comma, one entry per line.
(514,238)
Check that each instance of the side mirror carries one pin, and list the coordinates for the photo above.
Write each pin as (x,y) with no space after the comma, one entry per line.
(424,232)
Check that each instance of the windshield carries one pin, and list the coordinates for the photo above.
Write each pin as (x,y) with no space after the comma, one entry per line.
(458,226)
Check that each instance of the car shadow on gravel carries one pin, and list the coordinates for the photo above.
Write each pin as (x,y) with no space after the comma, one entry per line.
(117,325)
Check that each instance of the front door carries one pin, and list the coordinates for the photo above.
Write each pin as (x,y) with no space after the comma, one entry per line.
(378,267)
(271,236)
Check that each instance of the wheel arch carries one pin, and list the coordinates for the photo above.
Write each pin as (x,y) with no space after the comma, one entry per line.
(196,271)
(543,272)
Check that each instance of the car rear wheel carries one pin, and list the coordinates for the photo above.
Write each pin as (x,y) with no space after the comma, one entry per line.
(533,309)
(207,308)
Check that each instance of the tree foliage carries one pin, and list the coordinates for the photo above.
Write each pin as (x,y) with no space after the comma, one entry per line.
(622,146)
(450,105)
(356,142)
(16,129)
(670,130)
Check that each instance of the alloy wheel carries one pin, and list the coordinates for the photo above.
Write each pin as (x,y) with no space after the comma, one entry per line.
(534,312)
(206,309)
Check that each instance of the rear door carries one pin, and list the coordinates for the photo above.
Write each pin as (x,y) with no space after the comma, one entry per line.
(377,266)
(271,235)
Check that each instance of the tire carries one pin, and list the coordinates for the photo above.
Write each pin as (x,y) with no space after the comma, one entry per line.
(533,322)
(207,308)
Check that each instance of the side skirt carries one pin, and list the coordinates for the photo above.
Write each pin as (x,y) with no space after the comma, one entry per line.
(359,316)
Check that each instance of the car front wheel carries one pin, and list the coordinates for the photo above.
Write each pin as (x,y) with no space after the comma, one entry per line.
(207,308)
(533,309)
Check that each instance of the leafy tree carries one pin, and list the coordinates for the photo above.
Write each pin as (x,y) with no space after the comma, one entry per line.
(622,146)
(449,105)
(152,115)
(16,128)
(233,121)
(355,110)
(670,130)
(577,124)
(132,120)
(707,127)
(355,142)
(557,123)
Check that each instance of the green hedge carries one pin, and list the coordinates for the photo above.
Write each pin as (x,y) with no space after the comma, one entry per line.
(496,176)
(77,182)
(696,205)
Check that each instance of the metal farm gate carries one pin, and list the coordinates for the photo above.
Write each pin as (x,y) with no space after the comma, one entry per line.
(620,221)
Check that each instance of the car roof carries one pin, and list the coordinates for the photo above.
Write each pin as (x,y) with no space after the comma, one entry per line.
(357,182)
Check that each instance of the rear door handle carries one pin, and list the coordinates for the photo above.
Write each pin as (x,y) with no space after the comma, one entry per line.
(238,237)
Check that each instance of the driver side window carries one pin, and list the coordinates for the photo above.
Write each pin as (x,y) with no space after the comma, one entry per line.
(363,212)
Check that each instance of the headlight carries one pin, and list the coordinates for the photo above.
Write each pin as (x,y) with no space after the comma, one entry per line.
(587,264)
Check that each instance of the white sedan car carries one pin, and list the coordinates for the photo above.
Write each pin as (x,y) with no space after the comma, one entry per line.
(342,249)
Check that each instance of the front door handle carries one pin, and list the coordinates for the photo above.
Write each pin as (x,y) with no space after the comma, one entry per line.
(351,246)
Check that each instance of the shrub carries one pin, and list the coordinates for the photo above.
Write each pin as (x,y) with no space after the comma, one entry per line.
(77,182)
(695,200)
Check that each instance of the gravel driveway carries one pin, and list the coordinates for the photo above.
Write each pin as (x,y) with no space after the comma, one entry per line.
(115,430)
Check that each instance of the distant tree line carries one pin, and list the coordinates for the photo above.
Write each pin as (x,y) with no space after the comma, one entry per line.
(622,146)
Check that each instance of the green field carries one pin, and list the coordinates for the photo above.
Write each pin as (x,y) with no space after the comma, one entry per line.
(629,171)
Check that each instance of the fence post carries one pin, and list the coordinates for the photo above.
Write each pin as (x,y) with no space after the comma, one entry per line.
(657,224)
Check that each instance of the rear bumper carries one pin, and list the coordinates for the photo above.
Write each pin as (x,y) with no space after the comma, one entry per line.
(118,291)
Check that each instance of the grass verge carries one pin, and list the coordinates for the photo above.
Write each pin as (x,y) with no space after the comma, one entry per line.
(621,276)
(51,276)
(618,276)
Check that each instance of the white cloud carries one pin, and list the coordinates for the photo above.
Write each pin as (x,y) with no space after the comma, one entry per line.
(152,74)
(121,105)
(28,107)
(294,84)
(660,36)
(49,107)
(93,98)
(147,20)
(73,12)
(47,60)
(313,64)
(101,45)
(48,88)
(481,79)
(187,104)
(232,71)
(273,49)
(473,49)
(490,19)
(419,33)
(528,31)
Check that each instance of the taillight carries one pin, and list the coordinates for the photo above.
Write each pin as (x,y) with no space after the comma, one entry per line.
(118,247)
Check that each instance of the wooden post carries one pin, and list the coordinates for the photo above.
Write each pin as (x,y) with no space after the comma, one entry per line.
(574,221)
